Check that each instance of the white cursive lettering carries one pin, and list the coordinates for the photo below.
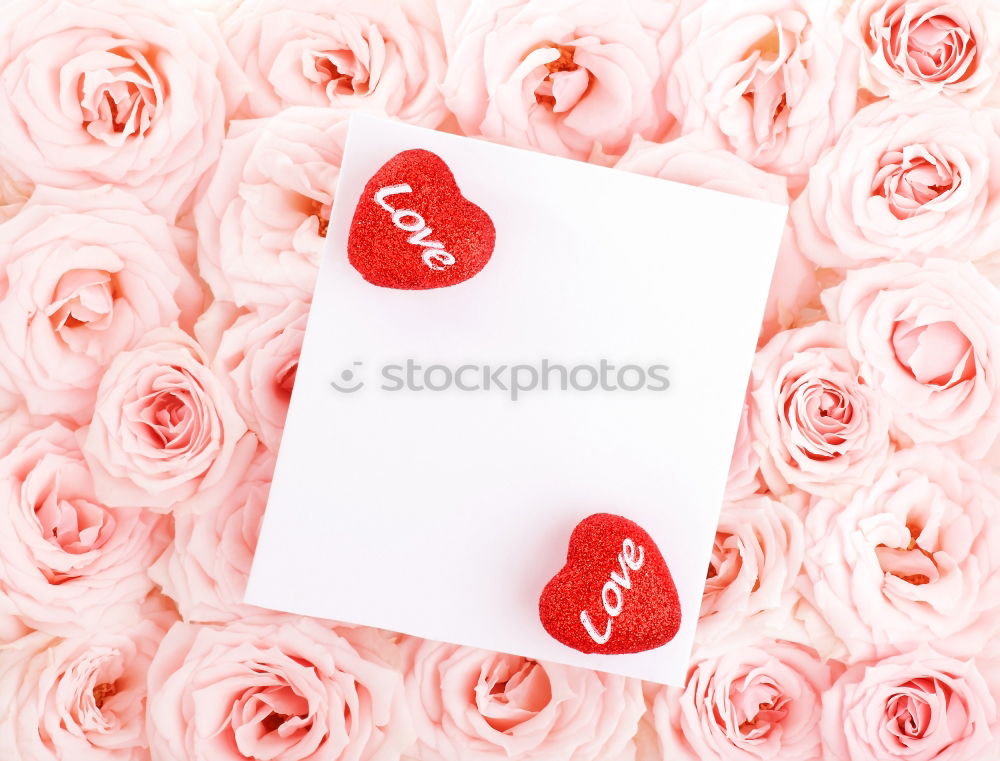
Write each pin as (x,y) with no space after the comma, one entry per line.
(631,557)
(434,255)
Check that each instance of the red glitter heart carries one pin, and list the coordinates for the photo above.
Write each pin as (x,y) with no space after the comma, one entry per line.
(413,229)
(615,594)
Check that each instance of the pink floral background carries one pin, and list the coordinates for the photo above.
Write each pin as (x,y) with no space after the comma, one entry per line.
(167,171)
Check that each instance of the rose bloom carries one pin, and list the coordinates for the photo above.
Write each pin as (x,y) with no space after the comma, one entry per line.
(756,702)
(205,568)
(771,78)
(262,216)
(476,705)
(164,427)
(128,92)
(378,54)
(910,559)
(275,687)
(562,76)
(926,337)
(82,698)
(756,558)
(817,422)
(913,48)
(87,275)
(918,705)
(68,564)
(905,181)
(256,355)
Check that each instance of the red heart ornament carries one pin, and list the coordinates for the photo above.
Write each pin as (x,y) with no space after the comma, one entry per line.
(413,229)
(615,594)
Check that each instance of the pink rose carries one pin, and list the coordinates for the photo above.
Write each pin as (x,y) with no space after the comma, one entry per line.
(562,76)
(262,216)
(164,427)
(83,698)
(910,559)
(770,78)
(756,558)
(87,274)
(904,181)
(918,706)
(816,420)
(476,705)
(68,564)
(375,54)
(256,355)
(758,702)
(275,687)
(911,48)
(205,568)
(926,338)
(129,92)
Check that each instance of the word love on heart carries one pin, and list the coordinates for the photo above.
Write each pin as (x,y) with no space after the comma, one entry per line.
(627,559)
(410,221)
(414,230)
(615,594)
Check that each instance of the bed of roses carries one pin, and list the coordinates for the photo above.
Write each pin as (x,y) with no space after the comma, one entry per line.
(167,171)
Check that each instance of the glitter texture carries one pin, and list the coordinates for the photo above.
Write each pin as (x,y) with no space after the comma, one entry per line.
(650,612)
(389,242)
